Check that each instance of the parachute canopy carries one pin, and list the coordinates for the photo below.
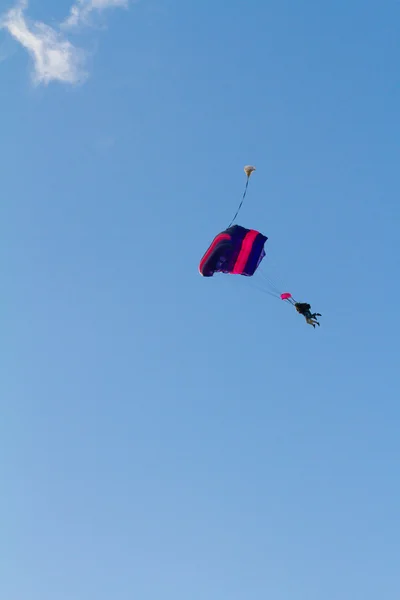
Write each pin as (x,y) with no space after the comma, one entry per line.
(249,170)
(236,250)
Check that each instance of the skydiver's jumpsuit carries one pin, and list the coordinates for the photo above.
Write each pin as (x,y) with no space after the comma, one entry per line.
(305,309)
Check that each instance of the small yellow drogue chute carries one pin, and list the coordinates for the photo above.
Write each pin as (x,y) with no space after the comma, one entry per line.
(249,170)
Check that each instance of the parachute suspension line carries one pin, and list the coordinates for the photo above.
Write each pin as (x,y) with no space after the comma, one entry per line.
(248,170)
(263,290)
(273,273)
(291,301)
(240,205)
(269,281)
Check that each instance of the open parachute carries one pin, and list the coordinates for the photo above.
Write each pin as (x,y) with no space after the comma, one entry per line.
(240,251)
(236,250)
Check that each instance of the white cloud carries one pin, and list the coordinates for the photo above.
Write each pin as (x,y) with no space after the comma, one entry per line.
(54,57)
(81,10)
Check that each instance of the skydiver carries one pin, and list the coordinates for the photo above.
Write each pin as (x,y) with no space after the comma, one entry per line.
(305,309)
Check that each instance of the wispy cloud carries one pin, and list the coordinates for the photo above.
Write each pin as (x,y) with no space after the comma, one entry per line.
(81,10)
(54,57)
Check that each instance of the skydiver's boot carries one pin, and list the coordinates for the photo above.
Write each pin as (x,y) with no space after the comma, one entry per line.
(315,315)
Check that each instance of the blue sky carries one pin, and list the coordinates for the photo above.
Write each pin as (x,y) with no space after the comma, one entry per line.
(169,436)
